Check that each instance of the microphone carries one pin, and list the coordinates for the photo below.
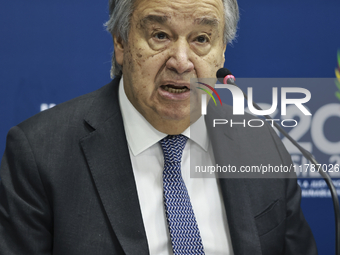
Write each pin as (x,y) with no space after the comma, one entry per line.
(227,77)
(224,75)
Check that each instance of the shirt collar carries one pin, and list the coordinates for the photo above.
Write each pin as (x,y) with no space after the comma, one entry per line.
(141,135)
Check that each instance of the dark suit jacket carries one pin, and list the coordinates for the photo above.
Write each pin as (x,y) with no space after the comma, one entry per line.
(67,186)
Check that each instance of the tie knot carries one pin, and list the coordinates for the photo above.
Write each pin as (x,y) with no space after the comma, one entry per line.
(173,146)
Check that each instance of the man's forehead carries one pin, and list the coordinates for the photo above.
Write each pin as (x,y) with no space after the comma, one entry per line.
(201,12)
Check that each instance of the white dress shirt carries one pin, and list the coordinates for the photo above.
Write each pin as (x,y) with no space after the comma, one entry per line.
(147,162)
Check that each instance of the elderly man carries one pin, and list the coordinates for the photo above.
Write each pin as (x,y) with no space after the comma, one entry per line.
(107,173)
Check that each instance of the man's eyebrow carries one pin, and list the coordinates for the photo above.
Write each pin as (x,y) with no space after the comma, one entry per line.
(210,21)
(161,19)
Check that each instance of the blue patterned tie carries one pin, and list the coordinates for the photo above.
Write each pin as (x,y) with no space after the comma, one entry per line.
(184,232)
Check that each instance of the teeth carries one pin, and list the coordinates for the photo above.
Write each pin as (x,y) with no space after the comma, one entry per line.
(171,90)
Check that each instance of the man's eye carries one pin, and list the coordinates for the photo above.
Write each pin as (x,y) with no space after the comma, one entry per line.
(202,39)
(160,36)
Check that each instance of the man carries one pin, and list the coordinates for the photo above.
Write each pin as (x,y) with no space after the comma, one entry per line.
(89,176)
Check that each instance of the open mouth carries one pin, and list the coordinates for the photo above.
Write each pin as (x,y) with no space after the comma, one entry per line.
(175,89)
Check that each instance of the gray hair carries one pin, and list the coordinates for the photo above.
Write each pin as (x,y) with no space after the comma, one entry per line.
(119,24)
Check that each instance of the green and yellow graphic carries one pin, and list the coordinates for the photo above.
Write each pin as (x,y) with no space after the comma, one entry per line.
(337,74)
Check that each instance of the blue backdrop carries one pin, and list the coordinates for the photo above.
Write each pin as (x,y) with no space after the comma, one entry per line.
(52,51)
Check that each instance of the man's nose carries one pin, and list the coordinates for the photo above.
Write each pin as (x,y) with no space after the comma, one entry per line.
(180,57)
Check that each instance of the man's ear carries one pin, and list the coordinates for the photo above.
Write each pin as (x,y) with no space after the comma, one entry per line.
(119,49)
(224,48)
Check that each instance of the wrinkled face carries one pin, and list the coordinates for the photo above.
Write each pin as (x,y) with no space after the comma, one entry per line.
(170,41)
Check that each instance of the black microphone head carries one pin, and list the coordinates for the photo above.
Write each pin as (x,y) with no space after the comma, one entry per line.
(222,72)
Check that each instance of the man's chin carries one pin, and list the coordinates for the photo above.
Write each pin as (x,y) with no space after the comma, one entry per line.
(176,117)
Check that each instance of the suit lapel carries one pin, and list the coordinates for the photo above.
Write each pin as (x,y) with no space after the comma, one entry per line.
(228,150)
(108,158)
(241,221)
